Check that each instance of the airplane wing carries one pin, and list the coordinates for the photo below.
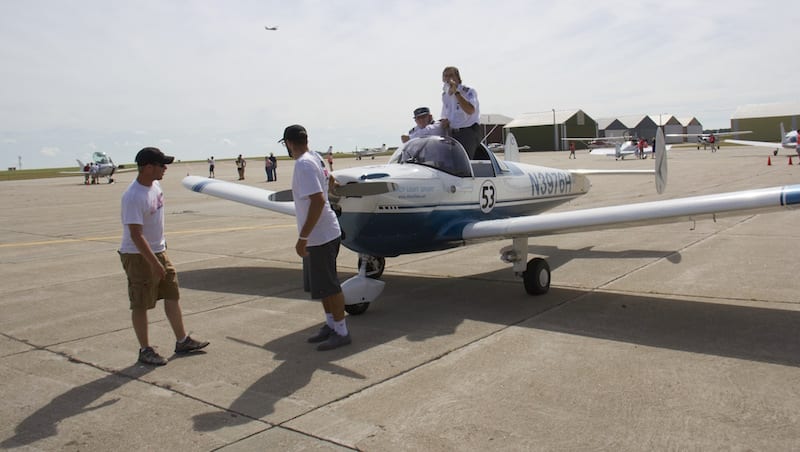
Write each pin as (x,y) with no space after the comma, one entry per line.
(611,152)
(631,215)
(720,134)
(770,144)
(280,202)
(116,171)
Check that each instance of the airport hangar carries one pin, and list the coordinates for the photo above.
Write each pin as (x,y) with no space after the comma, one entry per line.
(543,131)
(764,120)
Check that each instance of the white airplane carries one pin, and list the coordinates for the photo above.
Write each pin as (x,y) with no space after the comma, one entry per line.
(368,152)
(625,146)
(431,197)
(499,147)
(788,141)
(275,28)
(704,139)
(100,166)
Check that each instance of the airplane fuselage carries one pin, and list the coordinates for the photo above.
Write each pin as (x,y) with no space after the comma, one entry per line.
(429,208)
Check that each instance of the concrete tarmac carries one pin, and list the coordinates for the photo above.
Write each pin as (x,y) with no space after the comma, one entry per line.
(671,337)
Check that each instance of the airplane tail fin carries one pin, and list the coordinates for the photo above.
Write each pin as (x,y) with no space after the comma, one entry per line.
(661,162)
(511,150)
(79,163)
(784,138)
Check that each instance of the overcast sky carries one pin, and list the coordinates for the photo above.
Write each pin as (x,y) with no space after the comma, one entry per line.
(200,78)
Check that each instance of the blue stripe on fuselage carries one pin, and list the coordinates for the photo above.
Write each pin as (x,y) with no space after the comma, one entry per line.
(392,233)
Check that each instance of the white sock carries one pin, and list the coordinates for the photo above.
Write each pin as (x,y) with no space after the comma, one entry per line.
(329,319)
(340,327)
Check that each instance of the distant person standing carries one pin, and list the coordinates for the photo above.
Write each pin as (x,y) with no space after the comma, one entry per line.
(319,237)
(640,148)
(274,161)
(460,110)
(151,275)
(268,168)
(211,165)
(797,148)
(712,140)
(330,157)
(241,163)
(572,150)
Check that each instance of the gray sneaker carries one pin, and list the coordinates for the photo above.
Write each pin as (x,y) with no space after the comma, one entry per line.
(150,356)
(321,335)
(189,345)
(334,341)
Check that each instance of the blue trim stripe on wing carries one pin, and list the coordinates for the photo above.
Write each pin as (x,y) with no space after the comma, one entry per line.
(198,187)
(790,195)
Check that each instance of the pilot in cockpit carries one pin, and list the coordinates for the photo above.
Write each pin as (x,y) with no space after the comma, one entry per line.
(425,125)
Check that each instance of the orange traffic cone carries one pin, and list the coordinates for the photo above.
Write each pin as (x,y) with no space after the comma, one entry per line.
(790,161)
(769,161)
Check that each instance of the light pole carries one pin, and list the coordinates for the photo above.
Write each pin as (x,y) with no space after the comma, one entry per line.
(555,132)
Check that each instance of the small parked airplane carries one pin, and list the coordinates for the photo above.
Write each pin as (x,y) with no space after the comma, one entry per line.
(705,139)
(623,147)
(430,196)
(788,141)
(368,152)
(100,166)
(275,28)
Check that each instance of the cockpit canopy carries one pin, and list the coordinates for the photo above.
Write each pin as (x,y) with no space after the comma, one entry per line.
(442,153)
(100,158)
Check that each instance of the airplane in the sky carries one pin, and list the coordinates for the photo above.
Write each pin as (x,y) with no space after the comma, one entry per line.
(622,147)
(431,197)
(704,139)
(788,141)
(275,28)
(100,166)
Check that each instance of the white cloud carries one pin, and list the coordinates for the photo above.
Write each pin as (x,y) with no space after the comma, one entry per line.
(50,151)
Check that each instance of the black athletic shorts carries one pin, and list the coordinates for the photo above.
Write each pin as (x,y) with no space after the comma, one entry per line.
(320,271)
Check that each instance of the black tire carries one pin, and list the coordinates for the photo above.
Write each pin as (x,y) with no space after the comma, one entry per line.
(375,267)
(356,309)
(537,277)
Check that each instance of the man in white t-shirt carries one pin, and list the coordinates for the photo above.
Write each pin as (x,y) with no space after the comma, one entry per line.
(151,275)
(319,236)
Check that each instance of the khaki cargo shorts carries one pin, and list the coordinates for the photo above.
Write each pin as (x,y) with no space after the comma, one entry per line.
(144,288)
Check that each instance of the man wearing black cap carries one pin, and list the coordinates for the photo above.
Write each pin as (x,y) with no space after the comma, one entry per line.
(425,125)
(151,276)
(319,236)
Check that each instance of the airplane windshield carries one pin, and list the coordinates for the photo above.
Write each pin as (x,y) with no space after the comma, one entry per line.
(442,153)
(100,157)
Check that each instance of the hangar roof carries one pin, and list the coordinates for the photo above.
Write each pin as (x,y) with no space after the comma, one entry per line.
(544,118)
(495,119)
(766,110)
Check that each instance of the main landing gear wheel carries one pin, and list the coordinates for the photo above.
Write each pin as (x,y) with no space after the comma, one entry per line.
(375,266)
(356,309)
(537,276)
(374,270)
